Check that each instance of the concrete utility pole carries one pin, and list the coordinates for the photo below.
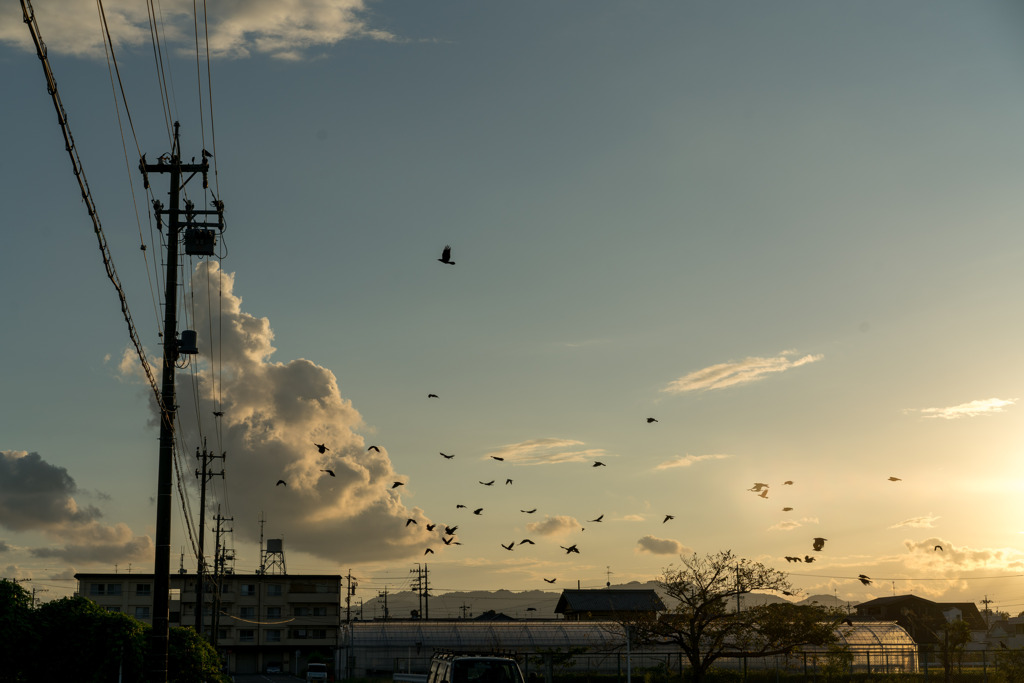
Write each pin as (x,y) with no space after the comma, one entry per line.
(204,476)
(171,163)
(350,590)
(220,556)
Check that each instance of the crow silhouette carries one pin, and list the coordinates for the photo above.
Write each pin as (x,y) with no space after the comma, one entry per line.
(411,521)
(598,463)
(511,545)
(864,579)
(397,484)
(459,505)
(790,558)
(550,580)
(428,551)
(819,543)
(526,540)
(529,512)
(598,519)
(281,482)
(758,487)
(895,479)
(650,420)
(507,482)
(478,511)
(448,456)
(330,472)
(432,396)
(450,541)
(449,530)
(667,517)
(498,458)
(808,558)
(431,527)
(373,448)
(788,482)
(938,547)
(321,447)
(218,413)
(786,509)
(570,549)
(488,483)
(446,255)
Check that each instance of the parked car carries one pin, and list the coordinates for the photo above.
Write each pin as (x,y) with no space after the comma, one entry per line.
(316,673)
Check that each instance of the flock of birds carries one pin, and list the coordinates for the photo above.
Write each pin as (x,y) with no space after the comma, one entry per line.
(449,536)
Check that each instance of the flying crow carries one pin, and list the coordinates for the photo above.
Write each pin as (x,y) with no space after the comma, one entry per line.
(446,255)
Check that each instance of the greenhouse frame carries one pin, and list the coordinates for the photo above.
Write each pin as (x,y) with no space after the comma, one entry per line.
(547,649)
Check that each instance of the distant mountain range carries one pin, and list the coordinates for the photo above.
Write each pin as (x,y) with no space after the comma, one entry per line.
(535,604)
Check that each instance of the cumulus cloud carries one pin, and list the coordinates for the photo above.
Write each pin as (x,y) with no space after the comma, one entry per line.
(547,452)
(922,522)
(924,554)
(688,460)
(661,546)
(273,413)
(4,547)
(558,525)
(284,29)
(729,374)
(38,496)
(785,526)
(971,409)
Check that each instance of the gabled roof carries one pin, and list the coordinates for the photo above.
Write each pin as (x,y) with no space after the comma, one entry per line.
(889,607)
(609,600)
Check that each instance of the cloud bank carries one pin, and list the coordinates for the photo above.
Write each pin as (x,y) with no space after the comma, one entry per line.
(283,29)
(273,414)
(730,374)
(38,496)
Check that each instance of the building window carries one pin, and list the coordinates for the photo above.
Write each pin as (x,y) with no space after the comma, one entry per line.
(104,589)
(143,590)
(273,635)
(142,612)
(308,633)
(273,613)
(247,612)
(247,589)
(223,633)
(246,635)
(274,589)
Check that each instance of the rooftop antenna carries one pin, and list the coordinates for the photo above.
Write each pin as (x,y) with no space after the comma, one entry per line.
(608,577)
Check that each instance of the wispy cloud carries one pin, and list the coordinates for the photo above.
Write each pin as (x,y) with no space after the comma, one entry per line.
(547,451)
(972,409)
(922,522)
(661,546)
(785,526)
(729,374)
(937,552)
(688,460)
(283,29)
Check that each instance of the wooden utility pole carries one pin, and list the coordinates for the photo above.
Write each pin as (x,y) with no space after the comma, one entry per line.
(171,164)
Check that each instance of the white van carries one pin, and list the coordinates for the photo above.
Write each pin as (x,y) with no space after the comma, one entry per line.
(456,668)
(316,673)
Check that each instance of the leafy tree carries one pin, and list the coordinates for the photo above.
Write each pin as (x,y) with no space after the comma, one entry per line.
(1010,665)
(706,628)
(191,658)
(95,645)
(15,630)
(953,636)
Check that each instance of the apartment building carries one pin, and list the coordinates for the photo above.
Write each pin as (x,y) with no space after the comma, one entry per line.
(263,621)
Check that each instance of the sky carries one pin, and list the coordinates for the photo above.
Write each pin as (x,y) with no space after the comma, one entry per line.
(788,232)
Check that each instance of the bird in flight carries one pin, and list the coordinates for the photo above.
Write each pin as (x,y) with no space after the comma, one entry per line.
(446,255)
(498,458)
(938,547)
(570,549)
(864,579)
(478,511)
(793,559)
(808,558)
(373,448)
(428,551)
(218,413)
(895,479)
(321,447)
(206,154)
(411,521)
(459,505)
(432,396)
(397,484)
(819,543)
(330,472)
(488,483)
(667,517)
(598,463)
(650,420)
(512,544)
(788,482)
(449,541)
(281,482)
(449,530)
(449,457)
(598,519)
(758,487)
(507,482)
(550,580)
(526,540)
(431,527)
(764,494)
(529,512)
(786,509)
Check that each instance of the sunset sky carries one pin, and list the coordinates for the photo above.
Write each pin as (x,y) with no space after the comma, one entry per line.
(791,232)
